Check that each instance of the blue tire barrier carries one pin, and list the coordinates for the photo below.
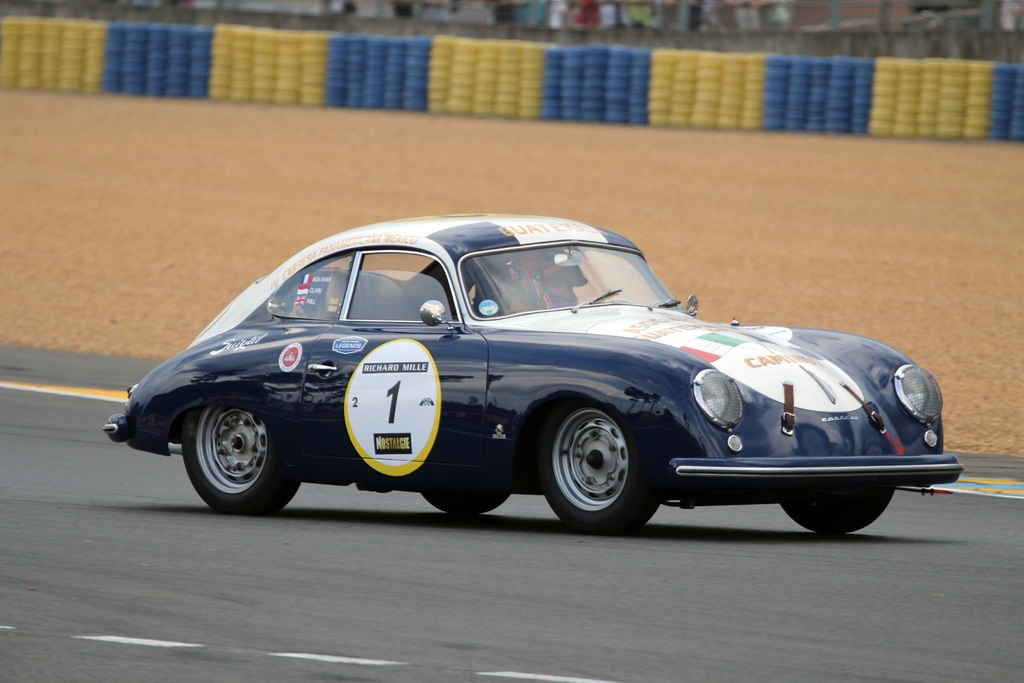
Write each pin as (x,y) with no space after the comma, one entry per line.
(157,60)
(1003,81)
(200,61)
(337,64)
(595,71)
(133,65)
(776,83)
(355,70)
(861,97)
(798,93)
(114,57)
(394,74)
(817,98)
(1017,117)
(839,97)
(373,83)
(617,80)
(639,89)
(179,59)
(417,73)
(571,83)
(551,103)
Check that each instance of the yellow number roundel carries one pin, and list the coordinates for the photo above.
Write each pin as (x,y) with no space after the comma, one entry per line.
(393,407)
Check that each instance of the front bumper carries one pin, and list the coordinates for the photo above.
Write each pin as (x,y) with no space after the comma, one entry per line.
(705,474)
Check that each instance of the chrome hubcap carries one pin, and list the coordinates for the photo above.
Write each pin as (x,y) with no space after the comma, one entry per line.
(232,448)
(591,459)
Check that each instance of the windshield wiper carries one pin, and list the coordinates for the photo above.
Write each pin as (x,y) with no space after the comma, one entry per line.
(664,303)
(605,295)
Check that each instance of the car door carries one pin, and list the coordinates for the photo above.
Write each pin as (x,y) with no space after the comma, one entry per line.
(384,390)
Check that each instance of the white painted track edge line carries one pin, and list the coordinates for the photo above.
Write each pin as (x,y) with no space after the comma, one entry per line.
(334,659)
(147,642)
(547,678)
(976,493)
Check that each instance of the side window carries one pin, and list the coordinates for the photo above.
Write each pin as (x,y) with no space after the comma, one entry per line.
(393,286)
(314,293)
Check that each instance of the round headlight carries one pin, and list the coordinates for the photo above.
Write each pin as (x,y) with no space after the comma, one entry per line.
(918,393)
(718,397)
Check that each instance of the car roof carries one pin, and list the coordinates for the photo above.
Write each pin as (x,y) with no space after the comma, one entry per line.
(447,237)
(466,233)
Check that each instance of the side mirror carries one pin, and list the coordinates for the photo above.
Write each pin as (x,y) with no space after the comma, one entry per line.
(432,313)
(691,305)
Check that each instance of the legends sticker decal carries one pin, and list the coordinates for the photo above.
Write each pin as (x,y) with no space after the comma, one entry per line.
(393,407)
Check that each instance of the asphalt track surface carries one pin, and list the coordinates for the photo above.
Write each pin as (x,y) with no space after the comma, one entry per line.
(113,570)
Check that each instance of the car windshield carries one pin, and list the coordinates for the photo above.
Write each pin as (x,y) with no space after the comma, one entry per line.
(543,278)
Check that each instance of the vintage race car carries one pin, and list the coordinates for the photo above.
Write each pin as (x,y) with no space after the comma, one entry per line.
(472,357)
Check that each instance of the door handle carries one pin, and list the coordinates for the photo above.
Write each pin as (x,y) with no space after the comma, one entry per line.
(322,369)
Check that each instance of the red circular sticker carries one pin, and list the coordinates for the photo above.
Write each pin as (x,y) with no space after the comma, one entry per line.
(290,357)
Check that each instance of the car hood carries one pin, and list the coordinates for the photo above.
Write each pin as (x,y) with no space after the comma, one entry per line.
(761,358)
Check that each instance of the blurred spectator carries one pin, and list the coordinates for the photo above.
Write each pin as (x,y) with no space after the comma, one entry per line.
(709,20)
(612,15)
(506,11)
(402,9)
(558,14)
(695,15)
(588,15)
(435,10)
(1010,15)
(641,14)
(747,16)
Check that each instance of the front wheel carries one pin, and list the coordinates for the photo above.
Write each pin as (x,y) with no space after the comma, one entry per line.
(837,513)
(465,504)
(232,464)
(590,472)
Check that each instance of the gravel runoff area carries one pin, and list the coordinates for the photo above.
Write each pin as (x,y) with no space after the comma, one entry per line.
(128,223)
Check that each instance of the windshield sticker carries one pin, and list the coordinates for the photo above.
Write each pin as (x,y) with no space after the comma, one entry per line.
(347,345)
(237,345)
(290,357)
(487,307)
(392,407)
(532,233)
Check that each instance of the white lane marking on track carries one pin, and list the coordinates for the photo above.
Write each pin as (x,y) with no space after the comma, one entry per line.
(541,677)
(138,641)
(336,660)
(11,628)
(69,391)
(951,489)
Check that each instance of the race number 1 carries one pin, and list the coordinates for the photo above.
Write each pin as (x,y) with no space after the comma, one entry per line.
(393,407)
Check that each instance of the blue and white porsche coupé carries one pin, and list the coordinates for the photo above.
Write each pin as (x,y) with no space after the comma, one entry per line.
(469,358)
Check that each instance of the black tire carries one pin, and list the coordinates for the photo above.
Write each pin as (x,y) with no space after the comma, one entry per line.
(837,513)
(465,504)
(232,464)
(589,471)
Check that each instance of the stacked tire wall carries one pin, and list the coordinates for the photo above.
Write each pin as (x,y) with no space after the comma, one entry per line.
(885,97)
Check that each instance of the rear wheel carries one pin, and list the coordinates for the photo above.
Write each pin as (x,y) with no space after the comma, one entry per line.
(837,513)
(590,472)
(465,504)
(232,464)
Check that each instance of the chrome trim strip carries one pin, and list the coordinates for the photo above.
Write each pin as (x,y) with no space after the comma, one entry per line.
(711,471)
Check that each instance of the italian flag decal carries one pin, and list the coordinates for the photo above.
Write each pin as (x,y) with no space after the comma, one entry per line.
(711,346)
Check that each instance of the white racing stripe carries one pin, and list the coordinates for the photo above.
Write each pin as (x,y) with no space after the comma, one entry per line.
(138,641)
(541,677)
(336,660)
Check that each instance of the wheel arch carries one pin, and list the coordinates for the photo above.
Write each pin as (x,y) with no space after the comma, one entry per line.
(526,478)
